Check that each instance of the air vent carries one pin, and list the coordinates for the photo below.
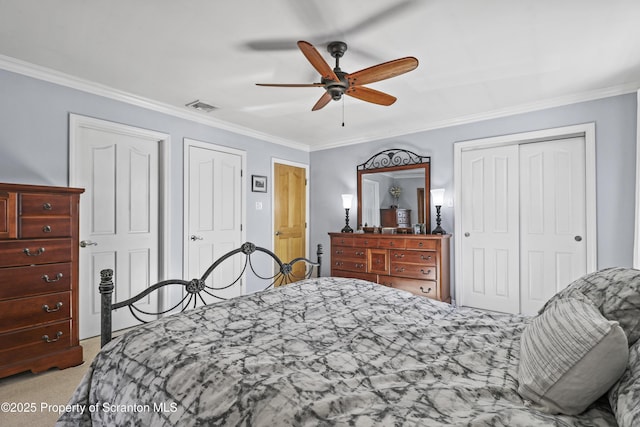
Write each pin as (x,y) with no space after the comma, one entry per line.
(202,106)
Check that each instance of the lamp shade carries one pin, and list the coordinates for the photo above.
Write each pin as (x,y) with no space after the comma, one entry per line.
(437,196)
(346,200)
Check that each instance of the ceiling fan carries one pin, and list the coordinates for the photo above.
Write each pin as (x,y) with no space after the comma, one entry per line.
(337,82)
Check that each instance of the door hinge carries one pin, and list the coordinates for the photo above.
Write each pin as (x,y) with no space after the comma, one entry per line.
(240,227)
(241,173)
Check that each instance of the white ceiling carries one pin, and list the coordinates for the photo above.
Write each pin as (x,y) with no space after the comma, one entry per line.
(478,58)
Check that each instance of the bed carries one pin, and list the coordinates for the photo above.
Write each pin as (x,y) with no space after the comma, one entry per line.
(338,351)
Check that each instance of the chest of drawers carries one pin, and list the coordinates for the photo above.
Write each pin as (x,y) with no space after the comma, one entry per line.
(38,278)
(416,263)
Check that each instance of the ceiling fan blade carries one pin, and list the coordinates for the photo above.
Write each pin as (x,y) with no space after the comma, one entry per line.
(317,61)
(291,84)
(370,95)
(324,100)
(383,71)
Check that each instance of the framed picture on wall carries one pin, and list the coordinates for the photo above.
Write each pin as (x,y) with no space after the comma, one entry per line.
(259,183)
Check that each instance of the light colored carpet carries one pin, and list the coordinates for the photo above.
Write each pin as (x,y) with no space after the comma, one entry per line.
(45,390)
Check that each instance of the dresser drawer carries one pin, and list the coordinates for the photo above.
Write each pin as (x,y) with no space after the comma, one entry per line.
(342,253)
(355,275)
(45,204)
(33,342)
(18,282)
(425,288)
(415,257)
(422,244)
(23,312)
(415,271)
(391,243)
(344,239)
(349,265)
(27,252)
(41,227)
(378,261)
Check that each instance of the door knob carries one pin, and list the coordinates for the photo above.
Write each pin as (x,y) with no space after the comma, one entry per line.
(278,233)
(578,238)
(85,243)
(467,234)
(194,237)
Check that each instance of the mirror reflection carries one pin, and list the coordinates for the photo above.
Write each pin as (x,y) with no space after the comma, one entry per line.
(393,192)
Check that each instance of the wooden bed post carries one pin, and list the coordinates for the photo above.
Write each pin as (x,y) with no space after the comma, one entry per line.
(106,292)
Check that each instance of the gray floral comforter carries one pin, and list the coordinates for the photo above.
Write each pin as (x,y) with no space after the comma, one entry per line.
(327,351)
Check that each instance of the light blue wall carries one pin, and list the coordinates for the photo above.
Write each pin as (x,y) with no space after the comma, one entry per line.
(333,171)
(34,145)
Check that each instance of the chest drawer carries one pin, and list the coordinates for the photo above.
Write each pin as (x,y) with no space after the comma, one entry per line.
(344,239)
(18,282)
(34,342)
(422,244)
(28,252)
(19,313)
(378,261)
(414,271)
(42,227)
(391,243)
(348,253)
(350,265)
(425,288)
(45,204)
(415,257)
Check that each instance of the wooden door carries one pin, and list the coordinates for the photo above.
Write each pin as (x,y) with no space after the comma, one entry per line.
(119,168)
(214,214)
(290,213)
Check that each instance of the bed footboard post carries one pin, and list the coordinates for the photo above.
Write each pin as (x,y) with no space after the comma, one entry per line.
(319,253)
(106,293)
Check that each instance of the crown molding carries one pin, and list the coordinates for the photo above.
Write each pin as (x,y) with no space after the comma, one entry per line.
(52,76)
(623,89)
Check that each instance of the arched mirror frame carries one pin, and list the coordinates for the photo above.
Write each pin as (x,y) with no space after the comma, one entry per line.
(397,160)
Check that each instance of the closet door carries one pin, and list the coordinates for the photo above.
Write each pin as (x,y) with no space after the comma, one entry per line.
(552,219)
(490,253)
(523,223)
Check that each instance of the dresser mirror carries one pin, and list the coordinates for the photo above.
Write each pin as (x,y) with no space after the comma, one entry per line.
(394,191)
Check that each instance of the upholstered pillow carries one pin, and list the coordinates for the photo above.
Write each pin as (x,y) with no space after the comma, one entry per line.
(570,355)
(624,396)
(616,293)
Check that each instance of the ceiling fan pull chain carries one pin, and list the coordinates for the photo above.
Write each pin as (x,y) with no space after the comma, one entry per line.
(343,111)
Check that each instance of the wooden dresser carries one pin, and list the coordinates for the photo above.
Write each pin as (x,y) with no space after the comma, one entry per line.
(38,278)
(395,217)
(418,263)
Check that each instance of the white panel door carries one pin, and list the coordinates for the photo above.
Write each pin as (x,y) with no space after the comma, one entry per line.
(490,226)
(552,219)
(119,169)
(214,205)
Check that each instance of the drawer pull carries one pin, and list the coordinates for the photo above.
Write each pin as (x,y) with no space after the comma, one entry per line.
(400,269)
(420,244)
(46,229)
(339,251)
(46,338)
(425,258)
(398,255)
(47,206)
(425,272)
(48,280)
(428,291)
(359,253)
(40,251)
(338,263)
(359,265)
(47,309)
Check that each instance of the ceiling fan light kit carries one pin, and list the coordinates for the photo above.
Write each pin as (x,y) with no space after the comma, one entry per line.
(337,82)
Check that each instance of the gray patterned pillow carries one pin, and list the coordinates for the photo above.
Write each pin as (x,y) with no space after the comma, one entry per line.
(570,355)
(624,396)
(616,293)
